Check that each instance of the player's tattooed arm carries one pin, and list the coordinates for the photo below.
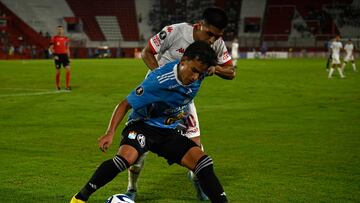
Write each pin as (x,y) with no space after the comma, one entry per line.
(149,58)
(225,71)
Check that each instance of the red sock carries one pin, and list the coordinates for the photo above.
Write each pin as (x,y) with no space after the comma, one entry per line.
(67,79)
(58,80)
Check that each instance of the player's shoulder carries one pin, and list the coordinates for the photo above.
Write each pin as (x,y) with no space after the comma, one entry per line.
(177,28)
(165,73)
(165,69)
(219,45)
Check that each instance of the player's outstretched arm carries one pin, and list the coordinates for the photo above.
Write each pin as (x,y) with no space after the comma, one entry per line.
(116,118)
(149,58)
(225,72)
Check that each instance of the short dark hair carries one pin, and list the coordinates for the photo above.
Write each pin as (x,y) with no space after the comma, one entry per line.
(202,52)
(215,16)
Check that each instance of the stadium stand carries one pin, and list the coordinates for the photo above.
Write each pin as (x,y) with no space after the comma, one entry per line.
(123,26)
(123,10)
(22,41)
(277,23)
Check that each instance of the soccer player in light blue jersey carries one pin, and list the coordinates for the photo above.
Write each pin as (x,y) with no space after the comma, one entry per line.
(158,118)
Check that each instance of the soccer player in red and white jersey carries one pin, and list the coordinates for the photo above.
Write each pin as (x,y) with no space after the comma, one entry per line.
(169,45)
(59,46)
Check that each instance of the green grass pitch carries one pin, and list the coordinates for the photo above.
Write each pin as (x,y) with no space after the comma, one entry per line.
(280,132)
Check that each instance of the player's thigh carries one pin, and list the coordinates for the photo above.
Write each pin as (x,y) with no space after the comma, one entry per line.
(336,59)
(173,148)
(57,63)
(66,62)
(134,135)
(347,58)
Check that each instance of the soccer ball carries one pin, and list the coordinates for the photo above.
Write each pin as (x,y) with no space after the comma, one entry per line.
(119,198)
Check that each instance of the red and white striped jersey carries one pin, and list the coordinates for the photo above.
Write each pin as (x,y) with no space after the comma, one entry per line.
(170,44)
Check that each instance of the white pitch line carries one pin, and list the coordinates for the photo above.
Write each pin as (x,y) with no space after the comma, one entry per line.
(31,94)
(20,88)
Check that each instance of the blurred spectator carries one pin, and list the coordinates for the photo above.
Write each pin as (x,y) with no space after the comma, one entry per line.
(47,35)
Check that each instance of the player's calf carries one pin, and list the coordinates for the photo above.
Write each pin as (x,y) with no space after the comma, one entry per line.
(103,174)
(209,182)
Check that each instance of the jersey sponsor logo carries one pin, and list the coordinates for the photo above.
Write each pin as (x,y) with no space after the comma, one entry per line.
(162,35)
(181,50)
(132,135)
(173,119)
(156,40)
(226,55)
(139,91)
(192,130)
(169,29)
(141,140)
(173,86)
(174,110)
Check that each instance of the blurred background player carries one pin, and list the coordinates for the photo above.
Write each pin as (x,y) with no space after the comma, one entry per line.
(235,51)
(336,47)
(263,49)
(329,53)
(349,55)
(169,45)
(59,47)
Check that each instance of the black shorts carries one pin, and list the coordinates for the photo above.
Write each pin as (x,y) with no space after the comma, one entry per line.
(63,60)
(167,143)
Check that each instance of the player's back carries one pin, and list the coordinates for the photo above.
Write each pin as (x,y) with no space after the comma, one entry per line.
(171,43)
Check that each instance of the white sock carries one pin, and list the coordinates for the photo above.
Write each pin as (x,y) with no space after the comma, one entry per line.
(354,67)
(134,172)
(234,62)
(331,72)
(343,66)
(341,73)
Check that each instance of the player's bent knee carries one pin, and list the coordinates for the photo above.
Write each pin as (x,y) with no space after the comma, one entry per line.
(129,153)
(191,157)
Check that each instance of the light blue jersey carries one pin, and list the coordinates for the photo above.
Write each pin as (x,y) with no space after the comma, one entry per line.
(162,100)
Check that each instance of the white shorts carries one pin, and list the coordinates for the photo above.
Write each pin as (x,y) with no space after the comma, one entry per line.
(335,59)
(193,122)
(235,55)
(349,57)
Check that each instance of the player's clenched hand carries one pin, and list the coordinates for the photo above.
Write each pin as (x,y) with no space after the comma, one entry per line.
(56,57)
(105,141)
(211,70)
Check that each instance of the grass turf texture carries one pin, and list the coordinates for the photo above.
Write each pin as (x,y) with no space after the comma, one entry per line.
(280,132)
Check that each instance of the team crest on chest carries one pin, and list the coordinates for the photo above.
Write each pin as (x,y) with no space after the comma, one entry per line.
(139,91)
(162,35)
